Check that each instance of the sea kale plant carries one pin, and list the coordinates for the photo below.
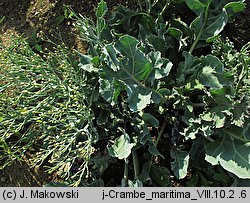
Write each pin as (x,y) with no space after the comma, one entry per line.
(161,97)
(163,81)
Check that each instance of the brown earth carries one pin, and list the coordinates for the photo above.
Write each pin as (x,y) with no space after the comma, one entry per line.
(239,30)
(30,18)
(21,174)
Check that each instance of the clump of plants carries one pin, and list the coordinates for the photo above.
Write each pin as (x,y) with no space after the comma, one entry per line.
(43,110)
(158,83)
(161,99)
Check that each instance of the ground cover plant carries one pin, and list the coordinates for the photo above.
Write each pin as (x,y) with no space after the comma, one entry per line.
(159,99)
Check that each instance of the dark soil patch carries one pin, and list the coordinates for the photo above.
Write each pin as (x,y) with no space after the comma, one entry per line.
(30,18)
(238,30)
(21,174)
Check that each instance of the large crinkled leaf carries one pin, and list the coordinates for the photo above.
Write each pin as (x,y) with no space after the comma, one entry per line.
(208,24)
(178,35)
(212,74)
(187,68)
(86,63)
(215,116)
(110,90)
(141,130)
(246,130)
(208,70)
(212,17)
(232,153)
(207,78)
(197,152)
(214,25)
(121,147)
(161,66)
(139,98)
(180,164)
(129,65)
(242,133)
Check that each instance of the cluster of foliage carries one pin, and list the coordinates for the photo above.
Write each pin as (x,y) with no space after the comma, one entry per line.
(165,98)
(44,110)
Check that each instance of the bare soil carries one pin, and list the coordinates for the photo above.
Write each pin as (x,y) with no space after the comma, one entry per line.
(238,30)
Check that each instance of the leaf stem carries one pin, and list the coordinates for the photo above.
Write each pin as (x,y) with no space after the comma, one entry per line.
(243,73)
(125,176)
(135,163)
(142,85)
(149,6)
(163,10)
(157,141)
(201,30)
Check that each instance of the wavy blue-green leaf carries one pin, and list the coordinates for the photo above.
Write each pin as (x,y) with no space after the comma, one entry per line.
(127,64)
(209,22)
(232,153)
(121,147)
(212,74)
(206,28)
(180,164)
(207,77)
(212,16)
